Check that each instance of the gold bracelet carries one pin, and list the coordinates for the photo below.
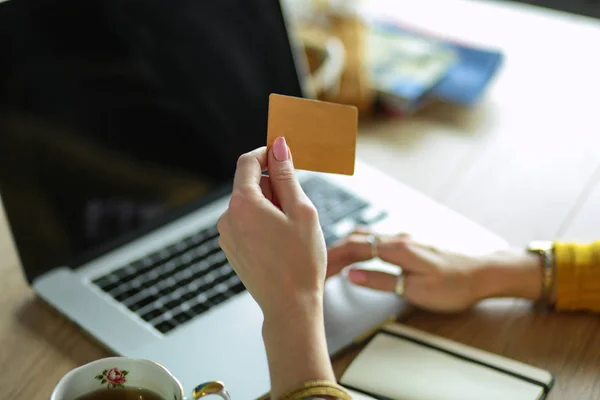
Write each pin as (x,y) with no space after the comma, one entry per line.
(545,250)
(317,388)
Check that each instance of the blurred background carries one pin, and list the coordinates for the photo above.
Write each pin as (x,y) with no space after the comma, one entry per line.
(458,98)
(590,8)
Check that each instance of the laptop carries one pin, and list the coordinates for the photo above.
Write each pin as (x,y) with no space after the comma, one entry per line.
(121,122)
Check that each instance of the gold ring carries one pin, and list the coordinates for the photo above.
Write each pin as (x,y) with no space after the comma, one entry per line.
(399,288)
(373,241)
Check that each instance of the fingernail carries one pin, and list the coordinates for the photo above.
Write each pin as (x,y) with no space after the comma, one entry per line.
(280,149)
(357,276)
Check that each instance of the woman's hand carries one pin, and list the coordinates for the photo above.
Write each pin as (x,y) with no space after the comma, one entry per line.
(272,238)
(435,279)
(271,233)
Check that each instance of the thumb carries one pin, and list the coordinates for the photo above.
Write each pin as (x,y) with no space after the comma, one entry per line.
(284,184)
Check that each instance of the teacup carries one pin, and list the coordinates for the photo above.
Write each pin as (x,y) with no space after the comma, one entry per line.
(116,373)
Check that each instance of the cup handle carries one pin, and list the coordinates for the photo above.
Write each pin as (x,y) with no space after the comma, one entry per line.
(216,388)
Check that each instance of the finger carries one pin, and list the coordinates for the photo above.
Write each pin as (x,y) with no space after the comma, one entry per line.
(362,230)
(249,169)
(284,183)
(373,279)
(401,250)
(355,248)
(223,229)
(265,186)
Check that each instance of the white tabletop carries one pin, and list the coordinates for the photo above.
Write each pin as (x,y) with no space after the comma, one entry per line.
(525,161)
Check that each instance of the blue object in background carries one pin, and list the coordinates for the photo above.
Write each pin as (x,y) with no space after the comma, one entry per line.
(468,77)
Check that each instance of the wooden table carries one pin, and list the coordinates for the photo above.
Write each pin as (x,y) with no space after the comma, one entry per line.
(525,163)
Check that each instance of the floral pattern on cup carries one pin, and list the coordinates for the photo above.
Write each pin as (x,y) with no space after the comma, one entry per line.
(113,378)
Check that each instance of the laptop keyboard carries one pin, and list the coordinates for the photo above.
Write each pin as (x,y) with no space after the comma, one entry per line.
(174,284)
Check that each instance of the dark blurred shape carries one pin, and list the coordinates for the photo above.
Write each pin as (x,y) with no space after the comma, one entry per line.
(589,8)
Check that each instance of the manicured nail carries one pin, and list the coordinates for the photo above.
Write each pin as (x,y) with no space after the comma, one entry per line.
(280,149)
(357,276)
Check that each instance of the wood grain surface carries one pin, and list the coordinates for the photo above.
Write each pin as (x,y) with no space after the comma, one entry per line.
(524,163)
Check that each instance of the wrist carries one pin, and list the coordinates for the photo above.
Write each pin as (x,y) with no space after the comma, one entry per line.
(305,310)
(509,273)
(294,338)
(293,306)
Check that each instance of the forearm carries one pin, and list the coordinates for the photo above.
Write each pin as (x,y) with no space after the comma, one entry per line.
(296,347)
(517,273)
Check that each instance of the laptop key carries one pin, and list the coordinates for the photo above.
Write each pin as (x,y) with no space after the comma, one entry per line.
(136,306)
(122,274)
(106,283)
(182,317)
(143,302)
(371,215)
(185,281)
(218,298)
(171,304)
(165,326)
(147,284)
(167,290)
(188,296)
(238,288)
(199,308)
(141,267)
(192,241)
(221,279)
(102,282)
(126,294)
(153,314)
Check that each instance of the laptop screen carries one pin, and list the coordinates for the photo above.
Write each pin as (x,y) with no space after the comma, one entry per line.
(117,114)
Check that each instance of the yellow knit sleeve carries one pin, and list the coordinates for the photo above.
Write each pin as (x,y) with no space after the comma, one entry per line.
(577,276)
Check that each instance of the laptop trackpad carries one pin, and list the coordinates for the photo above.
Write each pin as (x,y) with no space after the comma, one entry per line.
(352,311)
